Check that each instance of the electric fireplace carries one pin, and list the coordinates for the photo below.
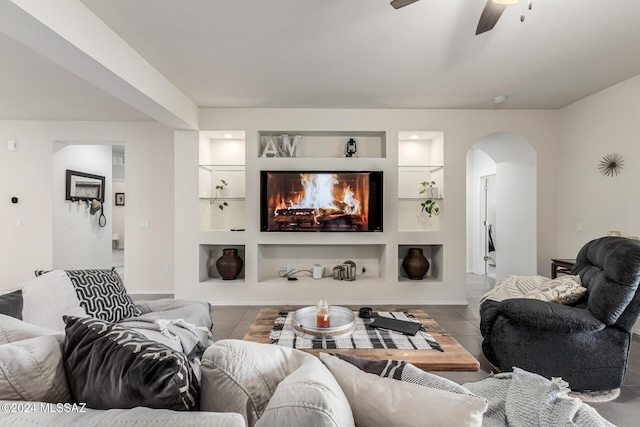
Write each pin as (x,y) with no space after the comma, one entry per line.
(320,201)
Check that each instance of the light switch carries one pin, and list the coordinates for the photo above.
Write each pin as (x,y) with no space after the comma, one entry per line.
(578,226)
(12,144)
(18,223)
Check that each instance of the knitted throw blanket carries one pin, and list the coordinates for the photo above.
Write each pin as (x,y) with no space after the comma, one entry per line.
(514,287)
(521,398)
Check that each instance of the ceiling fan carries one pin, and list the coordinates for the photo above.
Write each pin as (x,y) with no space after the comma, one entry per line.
(490,14)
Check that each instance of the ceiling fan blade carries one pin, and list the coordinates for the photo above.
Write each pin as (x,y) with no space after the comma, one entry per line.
(397,4)
(490,15)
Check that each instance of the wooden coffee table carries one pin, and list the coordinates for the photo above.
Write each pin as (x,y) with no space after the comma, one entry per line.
(454,357)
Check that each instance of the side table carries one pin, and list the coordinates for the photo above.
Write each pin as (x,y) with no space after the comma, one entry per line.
(561,266)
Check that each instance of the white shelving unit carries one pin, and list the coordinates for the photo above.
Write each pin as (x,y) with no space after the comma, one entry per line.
(266,253)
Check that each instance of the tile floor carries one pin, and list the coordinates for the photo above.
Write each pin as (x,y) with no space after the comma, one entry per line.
(462,323)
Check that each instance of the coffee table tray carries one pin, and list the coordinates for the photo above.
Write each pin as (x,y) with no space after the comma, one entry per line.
(343,323)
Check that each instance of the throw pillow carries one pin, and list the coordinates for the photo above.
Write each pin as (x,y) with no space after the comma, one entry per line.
(12,330)
(245,377)
(402,371)
(11,304)
(110,366)
(101,293)
(45,299)
(564,290)
(310,396)
(32,370)
(391,402)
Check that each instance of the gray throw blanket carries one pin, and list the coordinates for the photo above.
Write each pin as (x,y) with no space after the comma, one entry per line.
(189,321)
(520,398)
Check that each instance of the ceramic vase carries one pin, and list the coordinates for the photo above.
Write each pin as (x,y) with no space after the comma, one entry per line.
(229,265)
(415,264)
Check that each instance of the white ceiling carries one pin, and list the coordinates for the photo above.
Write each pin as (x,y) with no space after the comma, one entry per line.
(342,54)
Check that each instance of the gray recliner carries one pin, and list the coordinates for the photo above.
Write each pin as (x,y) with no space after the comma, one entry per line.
(586,344)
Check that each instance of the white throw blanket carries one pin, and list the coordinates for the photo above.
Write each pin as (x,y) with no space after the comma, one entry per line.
(187,321)
(514,287)
(524,399)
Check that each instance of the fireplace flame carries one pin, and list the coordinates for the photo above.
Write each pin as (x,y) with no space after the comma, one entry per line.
(319,192)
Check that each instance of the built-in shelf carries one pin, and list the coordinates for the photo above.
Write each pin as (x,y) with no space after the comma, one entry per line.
(222,159)
(433,253)
(273,257)
(428,169)
(229,168)
(209,254)
(330,144)
(374,254)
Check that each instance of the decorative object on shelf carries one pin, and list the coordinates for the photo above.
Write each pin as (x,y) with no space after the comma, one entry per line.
(415,264)
(351,148)
(430,192)
(280,146)
(611,164)
(229,265)
(323,315)
(345,271)
(614,233)
(220,189)
(119,199)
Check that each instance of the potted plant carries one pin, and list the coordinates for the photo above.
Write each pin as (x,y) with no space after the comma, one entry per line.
(221,190)
(429,205)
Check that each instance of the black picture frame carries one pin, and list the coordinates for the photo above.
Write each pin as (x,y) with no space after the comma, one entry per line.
(119,199)
(81,186)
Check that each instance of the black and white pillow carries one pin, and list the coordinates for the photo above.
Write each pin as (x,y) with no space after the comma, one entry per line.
(109,366)
(101,293)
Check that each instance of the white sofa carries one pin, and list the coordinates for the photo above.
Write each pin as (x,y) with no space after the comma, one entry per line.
(249,384)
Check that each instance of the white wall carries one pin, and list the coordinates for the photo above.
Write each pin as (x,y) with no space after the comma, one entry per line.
(461,129)
(27,173)
(606,122)
(78,240)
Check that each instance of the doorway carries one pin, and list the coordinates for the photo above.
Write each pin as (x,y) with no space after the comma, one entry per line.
(488,184)
(508,165)
(118,237)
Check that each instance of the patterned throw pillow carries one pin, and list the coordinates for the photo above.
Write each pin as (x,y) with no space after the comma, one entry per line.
(109,366)
(564,290)
(101,293)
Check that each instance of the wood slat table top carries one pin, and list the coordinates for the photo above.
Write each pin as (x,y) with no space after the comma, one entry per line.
(454,357)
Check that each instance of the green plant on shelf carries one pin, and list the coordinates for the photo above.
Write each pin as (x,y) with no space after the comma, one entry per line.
(429,205)
(220,188)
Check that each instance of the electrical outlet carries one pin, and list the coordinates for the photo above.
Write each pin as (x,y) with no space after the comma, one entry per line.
(288,267)
(165,268)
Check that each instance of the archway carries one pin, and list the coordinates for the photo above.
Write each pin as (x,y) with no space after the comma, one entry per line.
(514,234)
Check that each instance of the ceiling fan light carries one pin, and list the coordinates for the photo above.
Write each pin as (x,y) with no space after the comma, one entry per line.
(505,1)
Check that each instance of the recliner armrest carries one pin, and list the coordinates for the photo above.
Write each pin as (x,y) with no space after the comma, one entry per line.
(550,316)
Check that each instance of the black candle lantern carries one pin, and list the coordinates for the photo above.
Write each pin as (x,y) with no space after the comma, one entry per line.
(351,148)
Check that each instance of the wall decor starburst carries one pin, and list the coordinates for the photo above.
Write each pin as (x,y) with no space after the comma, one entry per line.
(611,164)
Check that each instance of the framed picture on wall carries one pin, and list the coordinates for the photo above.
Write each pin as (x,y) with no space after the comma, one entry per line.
(119,199)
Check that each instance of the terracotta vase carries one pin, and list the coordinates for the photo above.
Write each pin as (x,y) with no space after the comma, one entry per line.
(229,265)
(415,264)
